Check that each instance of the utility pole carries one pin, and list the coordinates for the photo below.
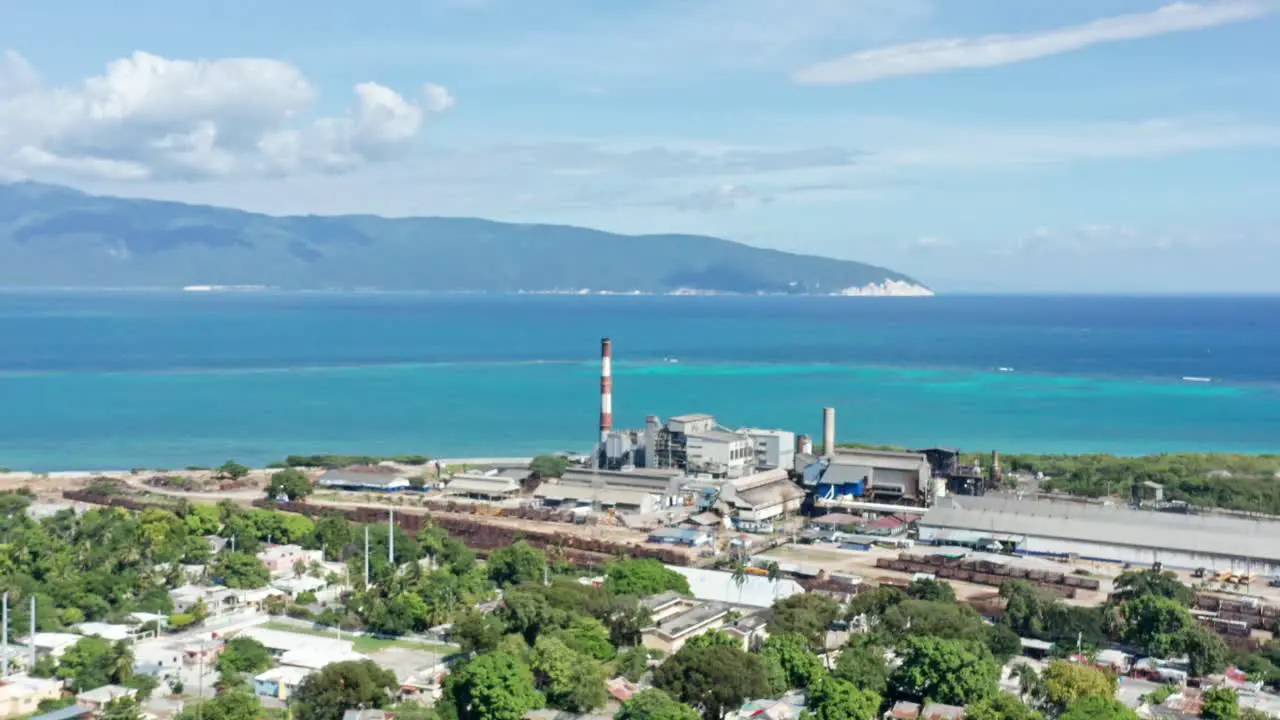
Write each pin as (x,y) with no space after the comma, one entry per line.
(33,632)
(391,538)
(5,652)
(366,557)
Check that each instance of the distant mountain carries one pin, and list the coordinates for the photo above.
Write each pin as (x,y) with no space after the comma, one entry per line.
(53,236)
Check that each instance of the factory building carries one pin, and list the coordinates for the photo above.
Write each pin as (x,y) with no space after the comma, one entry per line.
(774,449)
(1105,533)
(719,454)
(634,490)
(757,500)
(851,477)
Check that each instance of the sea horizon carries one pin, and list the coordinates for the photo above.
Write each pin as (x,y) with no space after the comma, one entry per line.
(108,380)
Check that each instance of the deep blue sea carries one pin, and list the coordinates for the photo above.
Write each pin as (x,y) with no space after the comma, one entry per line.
(157,379)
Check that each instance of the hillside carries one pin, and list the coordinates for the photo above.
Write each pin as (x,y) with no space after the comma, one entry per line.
(57,237)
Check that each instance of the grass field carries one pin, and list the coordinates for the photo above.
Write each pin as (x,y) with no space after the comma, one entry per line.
(362,643)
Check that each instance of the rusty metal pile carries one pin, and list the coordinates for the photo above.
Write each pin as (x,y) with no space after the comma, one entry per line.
(986,572)
(1237,616)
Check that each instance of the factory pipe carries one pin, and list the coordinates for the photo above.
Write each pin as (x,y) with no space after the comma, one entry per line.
(828,431)
(606,388)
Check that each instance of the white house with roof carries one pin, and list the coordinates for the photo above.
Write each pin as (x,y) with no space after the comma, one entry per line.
(51,644)
(364,479)
(284,559)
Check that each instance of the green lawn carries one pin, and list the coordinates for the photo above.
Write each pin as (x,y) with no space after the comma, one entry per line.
(364,644)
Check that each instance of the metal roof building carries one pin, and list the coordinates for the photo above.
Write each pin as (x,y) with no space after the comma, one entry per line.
(1107,532)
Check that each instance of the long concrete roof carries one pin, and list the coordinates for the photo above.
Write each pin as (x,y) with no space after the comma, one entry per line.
(1115,525)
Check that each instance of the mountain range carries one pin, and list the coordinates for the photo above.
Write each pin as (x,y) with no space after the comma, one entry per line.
(53,236)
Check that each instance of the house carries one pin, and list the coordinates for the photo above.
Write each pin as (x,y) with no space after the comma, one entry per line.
(51,644)
(217,600)
(284,559)
(938,711)
(295,586)
(106,631)
(97,698)
(903,710)
(493,484)
(677,618)
(279,682)
(621,689)
(835,521)
(363,479)
(71,712)
(750,629)
(787,707)
(280,643)
(22,694)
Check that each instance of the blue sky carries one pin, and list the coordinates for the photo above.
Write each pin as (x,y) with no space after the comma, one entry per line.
(1092,146)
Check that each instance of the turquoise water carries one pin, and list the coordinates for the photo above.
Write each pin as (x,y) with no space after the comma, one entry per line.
(168,380)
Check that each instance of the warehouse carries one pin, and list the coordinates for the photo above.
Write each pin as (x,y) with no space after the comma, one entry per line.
(1106,532)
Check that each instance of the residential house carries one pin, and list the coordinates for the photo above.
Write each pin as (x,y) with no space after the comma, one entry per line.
(97,698)
(280,682)
(677,618)
(106,631)
(285,559)
(22,694)
(71,712)
(51,644)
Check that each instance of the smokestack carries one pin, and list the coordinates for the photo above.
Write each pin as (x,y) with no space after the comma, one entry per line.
(606,387)
(828,431)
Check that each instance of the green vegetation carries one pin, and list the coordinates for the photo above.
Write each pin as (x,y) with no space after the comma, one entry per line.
(340,686)
(1237,482)
(643,577)
(655,704)
(291,484)
(548,466)
(333,462)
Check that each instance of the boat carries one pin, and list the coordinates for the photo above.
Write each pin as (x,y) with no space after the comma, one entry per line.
(1192,378)
(1005,369)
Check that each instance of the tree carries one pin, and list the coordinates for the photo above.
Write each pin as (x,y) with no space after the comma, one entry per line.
(232,470)
(1133,584)
(633,663)
(642,577)
(241,570)
(714,638)
(333,533)
(516,563)
(93,662)
(932,590)
(571,681)
(714,680)
(913,618)
(791,654)
(239,704)
(808,615)
(953,672)
(835,699)
(340,686)
(1003,642)
(1001,706)
(864,665)
(875,602)
(1096,708)
(121,708)
(1064,683)
(1025,608)
(1220,704)
(1206,652)
(1156,624)
(244,655)
(291,484)
(654,704)
(478,632)
(548,466)
(589,637)
(494,686)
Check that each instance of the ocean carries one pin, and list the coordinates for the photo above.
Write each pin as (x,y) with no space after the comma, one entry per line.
(114,380)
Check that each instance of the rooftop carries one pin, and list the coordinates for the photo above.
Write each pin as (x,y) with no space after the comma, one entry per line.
(692,417)
(719,586)
(281,641)
(284,674)
(482,484)
(880,459)
(718,436)
(1201,534)
(694,618)
(364,478)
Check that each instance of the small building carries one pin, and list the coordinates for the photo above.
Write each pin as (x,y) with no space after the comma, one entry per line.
(216,599)
(835,521)
(680,536)
(761,498)
(51,644)
(492,485)
(775,449)
(363,479)
(621,689)
(282,643)
(279,682)
(70,712)
(284,559)
(97,698)
(295,586)
(903,710)
(22,694)
(938,711)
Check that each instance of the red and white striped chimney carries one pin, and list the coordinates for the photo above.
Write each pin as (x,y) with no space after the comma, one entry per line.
(606,387)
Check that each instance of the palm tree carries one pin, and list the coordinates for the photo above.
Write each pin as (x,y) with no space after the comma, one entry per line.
(1028,681)
(775,574)
(740,577)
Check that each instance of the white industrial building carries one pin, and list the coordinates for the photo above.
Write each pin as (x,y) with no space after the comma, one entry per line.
(852,477)
(719,453)
(761,498)
(774,448)
(1106,533)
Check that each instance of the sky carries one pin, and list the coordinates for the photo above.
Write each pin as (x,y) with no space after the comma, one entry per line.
(977,145)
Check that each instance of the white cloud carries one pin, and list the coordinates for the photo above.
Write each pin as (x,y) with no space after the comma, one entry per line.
(721,197)
(149,117)
(933,56)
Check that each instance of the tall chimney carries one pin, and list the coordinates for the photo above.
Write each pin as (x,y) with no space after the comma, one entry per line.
(606,387)
(828,431)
